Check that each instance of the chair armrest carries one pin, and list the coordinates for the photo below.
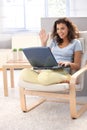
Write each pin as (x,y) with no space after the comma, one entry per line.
(77,74)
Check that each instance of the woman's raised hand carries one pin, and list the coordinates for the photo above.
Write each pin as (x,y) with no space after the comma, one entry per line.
(43,37)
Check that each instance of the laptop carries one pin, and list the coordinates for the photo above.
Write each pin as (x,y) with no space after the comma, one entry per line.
(41,58)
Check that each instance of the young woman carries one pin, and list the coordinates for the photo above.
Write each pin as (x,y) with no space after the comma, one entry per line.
(66,49)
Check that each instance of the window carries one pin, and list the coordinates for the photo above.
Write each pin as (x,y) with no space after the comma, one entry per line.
(13,14)
(56,8)
(26,14)
(34,10)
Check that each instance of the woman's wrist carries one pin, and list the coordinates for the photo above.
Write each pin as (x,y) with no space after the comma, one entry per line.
(44,44)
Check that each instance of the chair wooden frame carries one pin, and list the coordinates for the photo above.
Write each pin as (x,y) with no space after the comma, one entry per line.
(70,97)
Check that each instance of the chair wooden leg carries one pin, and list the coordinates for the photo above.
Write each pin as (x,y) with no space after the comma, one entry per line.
(72,98)
(23,99)
(35,104)
(81,110)
(73,102)
(74,112)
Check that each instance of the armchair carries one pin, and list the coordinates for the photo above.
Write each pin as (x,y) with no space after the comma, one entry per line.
(64,91)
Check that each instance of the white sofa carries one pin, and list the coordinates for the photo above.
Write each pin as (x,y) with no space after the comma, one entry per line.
(17,40)
(22,40)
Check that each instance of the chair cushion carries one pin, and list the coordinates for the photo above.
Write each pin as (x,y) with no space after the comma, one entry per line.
(49,88)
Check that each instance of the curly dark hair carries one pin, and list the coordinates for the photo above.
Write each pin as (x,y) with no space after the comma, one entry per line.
(72,33)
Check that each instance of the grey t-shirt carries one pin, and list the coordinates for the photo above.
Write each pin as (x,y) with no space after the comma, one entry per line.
(66,53)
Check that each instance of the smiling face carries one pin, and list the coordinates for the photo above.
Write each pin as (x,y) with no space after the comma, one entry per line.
(62,30)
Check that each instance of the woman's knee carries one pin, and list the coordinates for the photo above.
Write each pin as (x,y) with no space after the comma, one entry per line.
(29,75)
(43,78)
(50,77)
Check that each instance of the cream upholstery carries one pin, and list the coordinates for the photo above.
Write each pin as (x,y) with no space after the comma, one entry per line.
(22,40)
(49,88)
(49,91)
(4,55)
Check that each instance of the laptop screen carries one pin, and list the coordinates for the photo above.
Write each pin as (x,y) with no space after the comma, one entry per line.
(40,56)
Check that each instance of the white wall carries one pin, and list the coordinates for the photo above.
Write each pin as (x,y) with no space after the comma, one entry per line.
(78,8)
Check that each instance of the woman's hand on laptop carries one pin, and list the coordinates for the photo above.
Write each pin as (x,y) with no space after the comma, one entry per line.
(64,63)
(43,37)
